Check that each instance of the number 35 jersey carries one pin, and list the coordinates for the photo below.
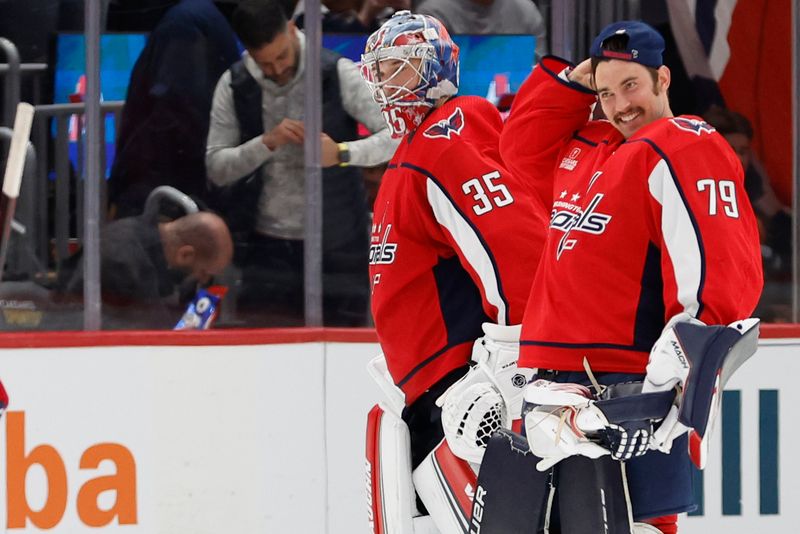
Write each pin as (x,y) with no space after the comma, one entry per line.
(455,242)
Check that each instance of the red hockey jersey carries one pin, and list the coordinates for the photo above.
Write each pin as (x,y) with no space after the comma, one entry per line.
(640,229)
(455,242)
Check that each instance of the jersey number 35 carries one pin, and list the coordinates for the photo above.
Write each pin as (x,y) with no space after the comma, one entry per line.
(486,193)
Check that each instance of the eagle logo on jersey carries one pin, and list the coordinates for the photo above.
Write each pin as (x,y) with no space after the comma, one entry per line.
(446,127)
(587,220)
(692,125)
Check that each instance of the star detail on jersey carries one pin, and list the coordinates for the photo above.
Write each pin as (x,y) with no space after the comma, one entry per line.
(694,126)
(447,127)
(575,197)
(563,194)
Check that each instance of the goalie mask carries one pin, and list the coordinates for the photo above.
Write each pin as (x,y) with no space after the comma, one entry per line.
(409,64)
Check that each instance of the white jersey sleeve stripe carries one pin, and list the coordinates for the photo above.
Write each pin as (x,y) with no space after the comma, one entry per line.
(680,237)
(471,245)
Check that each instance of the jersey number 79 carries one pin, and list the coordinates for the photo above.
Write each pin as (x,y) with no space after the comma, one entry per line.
(727,196)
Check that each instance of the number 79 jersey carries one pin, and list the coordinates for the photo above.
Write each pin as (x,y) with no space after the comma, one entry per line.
(640,231)
(455,242)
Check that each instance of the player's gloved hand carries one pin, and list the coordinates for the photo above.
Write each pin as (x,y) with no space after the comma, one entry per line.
(555,416)
(566,419)
(667,431)
(667,368)
(472,410)
(488,397)
(626,440)
(497,353)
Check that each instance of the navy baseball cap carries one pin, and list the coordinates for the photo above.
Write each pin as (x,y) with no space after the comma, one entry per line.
(645,45)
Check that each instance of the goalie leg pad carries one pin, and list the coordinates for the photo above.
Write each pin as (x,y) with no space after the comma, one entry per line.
(390,490)
(445,484)
(645,528)
(593,496)
(512,496)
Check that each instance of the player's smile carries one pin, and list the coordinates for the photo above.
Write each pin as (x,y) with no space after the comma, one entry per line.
(627,118)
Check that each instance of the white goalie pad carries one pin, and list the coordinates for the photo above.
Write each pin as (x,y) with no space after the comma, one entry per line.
(446,485)
(390,490)
(394,399)
(391,499)
(644,528)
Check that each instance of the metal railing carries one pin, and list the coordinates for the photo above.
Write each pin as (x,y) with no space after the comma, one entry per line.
(12,73)
(66,184)
(11,85)
(21,258)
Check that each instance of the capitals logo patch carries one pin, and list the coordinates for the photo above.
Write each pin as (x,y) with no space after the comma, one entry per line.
(692,125)
(381,250)
(447,127)
(587,220)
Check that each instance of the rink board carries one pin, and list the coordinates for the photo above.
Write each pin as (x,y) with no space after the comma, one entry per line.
(164,435)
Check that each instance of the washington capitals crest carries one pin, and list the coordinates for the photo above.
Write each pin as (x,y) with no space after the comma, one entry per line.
(446,127)
(692,125)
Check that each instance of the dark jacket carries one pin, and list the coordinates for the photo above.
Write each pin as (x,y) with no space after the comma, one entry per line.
(164,125)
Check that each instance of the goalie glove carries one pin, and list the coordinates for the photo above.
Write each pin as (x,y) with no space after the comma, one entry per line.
(563,420)
(699,359)
(627,440)
(488,397)
(497,353)
(668,368)
(550,414)
(668,365)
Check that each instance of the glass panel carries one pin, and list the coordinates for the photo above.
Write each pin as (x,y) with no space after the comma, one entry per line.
(166,79)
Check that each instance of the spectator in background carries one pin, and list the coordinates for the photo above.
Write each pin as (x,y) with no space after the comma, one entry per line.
(356,16)
(353,16)
(489,16)
(256,137)
(775,219)
(165,119)
(143,263)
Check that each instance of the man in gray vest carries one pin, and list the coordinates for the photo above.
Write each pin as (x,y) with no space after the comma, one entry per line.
(255,143)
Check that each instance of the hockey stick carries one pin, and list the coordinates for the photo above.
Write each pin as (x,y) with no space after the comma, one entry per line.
(12,180)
